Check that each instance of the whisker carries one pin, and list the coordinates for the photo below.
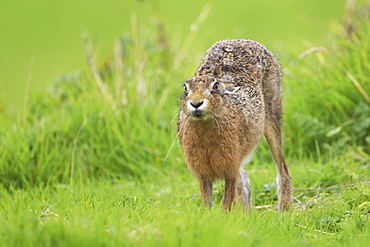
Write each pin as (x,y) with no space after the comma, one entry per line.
(226,122)
(217,123)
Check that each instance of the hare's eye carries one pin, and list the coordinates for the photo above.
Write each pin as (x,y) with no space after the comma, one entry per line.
(185,88)
(215,86)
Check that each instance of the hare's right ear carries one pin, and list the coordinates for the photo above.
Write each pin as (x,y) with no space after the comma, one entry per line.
(231,88)
(190,81)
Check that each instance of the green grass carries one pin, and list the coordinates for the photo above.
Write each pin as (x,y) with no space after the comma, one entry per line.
(91,164)
(168,212)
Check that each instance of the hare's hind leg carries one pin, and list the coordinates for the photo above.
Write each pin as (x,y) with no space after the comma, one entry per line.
(206,190)
(284,180)
(244,191)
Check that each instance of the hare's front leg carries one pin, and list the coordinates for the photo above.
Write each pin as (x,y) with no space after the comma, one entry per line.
(206,191)
(230,191)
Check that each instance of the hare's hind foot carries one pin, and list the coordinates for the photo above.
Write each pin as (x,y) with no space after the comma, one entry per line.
(285,197)
(244,191)
(283,180)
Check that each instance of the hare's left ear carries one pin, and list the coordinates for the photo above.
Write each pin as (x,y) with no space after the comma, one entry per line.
(230,89)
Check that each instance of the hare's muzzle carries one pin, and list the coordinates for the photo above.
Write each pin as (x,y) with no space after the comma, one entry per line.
(196,106)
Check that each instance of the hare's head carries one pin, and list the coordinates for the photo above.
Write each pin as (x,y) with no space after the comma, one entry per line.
(204,96)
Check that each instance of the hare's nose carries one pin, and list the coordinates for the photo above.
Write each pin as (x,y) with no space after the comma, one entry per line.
(197,104)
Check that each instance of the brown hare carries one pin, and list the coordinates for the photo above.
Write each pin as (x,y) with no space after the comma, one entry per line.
(234,98)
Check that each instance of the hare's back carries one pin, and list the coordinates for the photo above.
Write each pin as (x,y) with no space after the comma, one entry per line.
(239,61)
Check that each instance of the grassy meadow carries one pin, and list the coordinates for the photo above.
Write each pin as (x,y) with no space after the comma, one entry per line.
(95,161)
(41,40)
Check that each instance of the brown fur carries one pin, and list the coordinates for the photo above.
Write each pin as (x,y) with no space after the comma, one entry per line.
(234,99)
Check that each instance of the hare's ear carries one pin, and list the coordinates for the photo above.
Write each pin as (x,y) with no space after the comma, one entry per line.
(230,89)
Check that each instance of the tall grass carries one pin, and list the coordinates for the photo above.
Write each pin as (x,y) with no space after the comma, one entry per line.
(327,91)
(86,129)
